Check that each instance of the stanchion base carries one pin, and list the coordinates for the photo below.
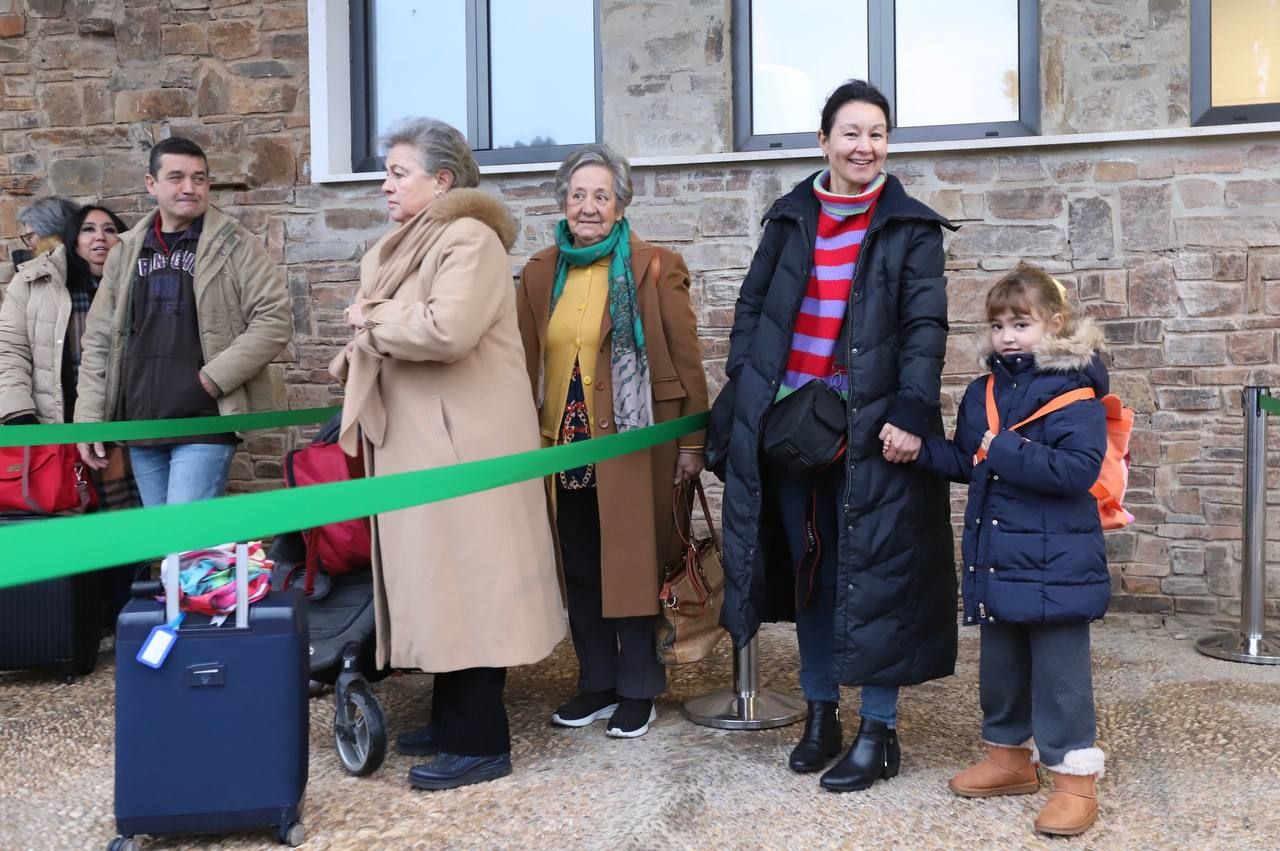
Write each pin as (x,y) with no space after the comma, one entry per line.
(728,710)
(1234,647)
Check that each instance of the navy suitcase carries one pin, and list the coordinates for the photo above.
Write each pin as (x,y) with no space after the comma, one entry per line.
(215,740)
(55,623)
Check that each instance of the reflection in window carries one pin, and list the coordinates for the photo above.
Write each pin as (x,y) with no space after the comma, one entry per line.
(542,102)
(957,63)
(420,64)
(795,61)
(1245,52)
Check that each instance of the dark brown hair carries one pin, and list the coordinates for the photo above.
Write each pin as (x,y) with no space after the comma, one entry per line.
(854,90)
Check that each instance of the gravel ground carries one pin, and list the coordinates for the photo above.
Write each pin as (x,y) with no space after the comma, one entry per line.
(1193,746)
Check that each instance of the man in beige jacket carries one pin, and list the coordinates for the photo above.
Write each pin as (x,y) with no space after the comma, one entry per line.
(190,313)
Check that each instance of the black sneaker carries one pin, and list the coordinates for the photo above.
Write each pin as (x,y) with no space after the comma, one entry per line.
(632,719)
(585,708)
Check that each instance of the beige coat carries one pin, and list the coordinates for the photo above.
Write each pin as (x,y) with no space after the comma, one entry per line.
(467,582)
(637,525)
(243,310)
(33,332)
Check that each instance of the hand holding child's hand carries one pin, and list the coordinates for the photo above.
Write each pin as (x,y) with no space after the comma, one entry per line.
(986,440)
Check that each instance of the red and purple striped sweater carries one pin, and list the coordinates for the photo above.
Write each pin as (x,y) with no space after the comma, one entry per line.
(842,223)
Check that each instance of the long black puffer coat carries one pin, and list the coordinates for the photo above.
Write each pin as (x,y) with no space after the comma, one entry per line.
(895,610)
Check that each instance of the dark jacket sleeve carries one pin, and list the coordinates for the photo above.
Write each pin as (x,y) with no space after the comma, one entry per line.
(922,330)
(1069,460)
(680,326)
(746,317)
(953,459)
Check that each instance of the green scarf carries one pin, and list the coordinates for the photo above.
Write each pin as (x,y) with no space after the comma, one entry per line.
(629,362)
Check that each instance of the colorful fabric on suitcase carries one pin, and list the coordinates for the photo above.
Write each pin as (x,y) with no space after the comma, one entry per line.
(207,578)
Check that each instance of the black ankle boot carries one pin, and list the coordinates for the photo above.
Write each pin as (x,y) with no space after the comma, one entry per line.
(874,755)
(820,740)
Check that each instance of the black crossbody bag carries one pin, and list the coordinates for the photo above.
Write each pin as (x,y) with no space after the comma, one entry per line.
(808,429)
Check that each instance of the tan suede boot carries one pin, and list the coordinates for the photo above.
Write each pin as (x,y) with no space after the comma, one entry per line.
(1072,806)
(1005,771)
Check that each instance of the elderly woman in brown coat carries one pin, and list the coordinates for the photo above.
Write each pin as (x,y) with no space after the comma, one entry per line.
(611,344)
(434,375)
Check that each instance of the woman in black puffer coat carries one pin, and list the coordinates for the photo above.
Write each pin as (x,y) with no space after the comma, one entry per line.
(871,566)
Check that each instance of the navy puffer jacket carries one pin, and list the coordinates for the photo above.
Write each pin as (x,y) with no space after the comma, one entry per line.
(1033,548)
(895,607)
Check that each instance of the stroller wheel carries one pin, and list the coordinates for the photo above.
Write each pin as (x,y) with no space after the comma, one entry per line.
(362,738)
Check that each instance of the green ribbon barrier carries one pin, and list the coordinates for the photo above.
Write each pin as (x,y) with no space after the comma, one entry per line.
(1270,404)
(46,549)
(42,435)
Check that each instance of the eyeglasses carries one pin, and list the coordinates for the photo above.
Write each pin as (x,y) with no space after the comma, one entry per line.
(29,238)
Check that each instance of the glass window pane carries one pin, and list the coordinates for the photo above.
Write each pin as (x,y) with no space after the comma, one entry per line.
(1246,52)
(956,63)
(800,51)
(545,96)
(419,62)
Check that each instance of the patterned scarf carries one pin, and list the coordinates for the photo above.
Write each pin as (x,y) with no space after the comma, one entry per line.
(629,362)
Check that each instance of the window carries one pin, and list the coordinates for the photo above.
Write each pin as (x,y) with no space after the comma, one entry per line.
(950,70)
(521,80)
(1235,61)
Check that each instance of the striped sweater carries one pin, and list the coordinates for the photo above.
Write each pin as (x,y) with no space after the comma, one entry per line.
(842,223)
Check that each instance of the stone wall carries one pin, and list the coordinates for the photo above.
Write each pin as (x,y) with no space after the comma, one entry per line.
(1114,65)
(1173,245)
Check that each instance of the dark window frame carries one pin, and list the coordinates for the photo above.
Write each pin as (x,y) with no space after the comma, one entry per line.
(364,144)
(881,63)
(1203,112)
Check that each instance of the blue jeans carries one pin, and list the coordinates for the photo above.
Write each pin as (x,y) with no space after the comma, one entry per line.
(183,472)
(815,623)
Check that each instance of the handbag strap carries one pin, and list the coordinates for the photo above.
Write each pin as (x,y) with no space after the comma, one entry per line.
(678,502)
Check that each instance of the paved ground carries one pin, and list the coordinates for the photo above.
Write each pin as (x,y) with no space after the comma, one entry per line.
(1193,744)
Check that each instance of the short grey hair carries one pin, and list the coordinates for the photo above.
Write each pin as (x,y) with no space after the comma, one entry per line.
(596,154)
(48,216)
(437,145)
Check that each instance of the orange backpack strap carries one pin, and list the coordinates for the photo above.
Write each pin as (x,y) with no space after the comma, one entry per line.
(1057,403)
(993,415)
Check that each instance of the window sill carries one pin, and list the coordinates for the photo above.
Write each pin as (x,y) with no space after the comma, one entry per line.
(954,146)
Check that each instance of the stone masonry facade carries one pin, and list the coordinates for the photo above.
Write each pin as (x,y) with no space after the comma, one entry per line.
(1173,244)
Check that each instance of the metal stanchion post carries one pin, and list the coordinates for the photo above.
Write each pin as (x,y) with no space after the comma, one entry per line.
(746,706)
(1251,643)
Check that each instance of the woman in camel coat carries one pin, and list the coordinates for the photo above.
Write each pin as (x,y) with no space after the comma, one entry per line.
(466,587)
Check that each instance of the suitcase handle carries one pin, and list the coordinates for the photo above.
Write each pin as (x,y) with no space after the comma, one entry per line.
(146,588)
(169,575)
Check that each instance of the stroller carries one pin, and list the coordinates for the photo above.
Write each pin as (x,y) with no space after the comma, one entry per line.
(340,626)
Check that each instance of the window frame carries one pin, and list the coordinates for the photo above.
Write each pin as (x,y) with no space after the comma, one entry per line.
(881,65)
(364,150)
(1203,112)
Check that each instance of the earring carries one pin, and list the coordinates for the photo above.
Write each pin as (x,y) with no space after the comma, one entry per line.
(439,192)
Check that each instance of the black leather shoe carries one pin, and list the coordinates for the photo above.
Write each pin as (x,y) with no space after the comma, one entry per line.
(449,771)
(419,742)
(820,740)
(874,755)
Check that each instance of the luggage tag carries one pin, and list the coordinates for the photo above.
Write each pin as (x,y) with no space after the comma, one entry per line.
(159,642)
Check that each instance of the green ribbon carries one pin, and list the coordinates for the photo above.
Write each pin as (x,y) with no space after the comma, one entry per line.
(63,546)
(1270,404)
(44,435)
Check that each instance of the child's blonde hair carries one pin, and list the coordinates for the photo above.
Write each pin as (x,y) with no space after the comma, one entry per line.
(1031,291)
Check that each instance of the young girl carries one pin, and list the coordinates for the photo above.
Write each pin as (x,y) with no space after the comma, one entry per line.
(1035,568)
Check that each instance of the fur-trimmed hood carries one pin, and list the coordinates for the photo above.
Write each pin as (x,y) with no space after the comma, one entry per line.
(480,205)
(1057,354)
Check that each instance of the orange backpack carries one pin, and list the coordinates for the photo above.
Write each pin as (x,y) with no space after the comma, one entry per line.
(1114,476)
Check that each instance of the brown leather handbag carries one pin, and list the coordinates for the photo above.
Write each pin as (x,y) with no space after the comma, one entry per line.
(688,626)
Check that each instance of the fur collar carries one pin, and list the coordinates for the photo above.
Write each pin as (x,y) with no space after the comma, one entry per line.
(1057,354)
(480,205)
